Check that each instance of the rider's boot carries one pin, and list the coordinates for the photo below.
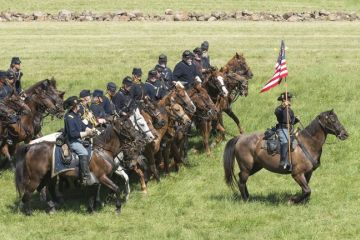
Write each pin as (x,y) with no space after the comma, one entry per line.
(86,178)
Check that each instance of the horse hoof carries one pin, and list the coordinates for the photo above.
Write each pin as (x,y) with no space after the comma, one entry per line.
(144,192)
(118,211)
(52,211)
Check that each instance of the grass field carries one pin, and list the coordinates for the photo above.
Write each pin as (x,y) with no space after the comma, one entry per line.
(159,6)
(323,61)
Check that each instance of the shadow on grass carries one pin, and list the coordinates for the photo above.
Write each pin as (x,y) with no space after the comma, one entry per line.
(273,198)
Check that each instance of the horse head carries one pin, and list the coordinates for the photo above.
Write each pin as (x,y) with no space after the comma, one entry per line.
(238,64)
(216,80)
(140,125)
(331,124)
(178,114)
(235,81)
(204,105)
(180,95)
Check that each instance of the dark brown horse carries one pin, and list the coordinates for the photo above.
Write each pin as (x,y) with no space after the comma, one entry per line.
(206,111)
(35,162)
(251,157)
(43,99)
(236,74)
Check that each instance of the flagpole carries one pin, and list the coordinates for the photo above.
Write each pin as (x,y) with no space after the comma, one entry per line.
(288,121)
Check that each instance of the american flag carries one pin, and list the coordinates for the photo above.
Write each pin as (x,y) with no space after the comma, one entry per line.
(280,70)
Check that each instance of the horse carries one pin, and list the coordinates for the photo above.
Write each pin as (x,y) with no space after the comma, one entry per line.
(35,163)
(237,64)
(170,109)
(236,74)
(42,99)
(206,112)
(251,157)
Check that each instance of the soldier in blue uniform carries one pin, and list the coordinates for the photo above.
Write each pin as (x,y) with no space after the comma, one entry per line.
(205,59)
(97,106)
(15,70)
(284,115)
(123,99)
(185,71)
(75,130)
(153,86)
(6,85)
(136,75)
(197,61)
(110,90)
(166,72)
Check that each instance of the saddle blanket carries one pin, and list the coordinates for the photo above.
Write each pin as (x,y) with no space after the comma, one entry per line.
(59,166)
(48,138)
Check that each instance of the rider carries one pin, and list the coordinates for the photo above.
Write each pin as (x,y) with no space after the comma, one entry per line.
(284,115)
(205,59)
(153,86)
(97,106)
(166,72)
(6,85)
(197,61)
(123,99)
(75,131)
(86,114)
(185,71)
(110,90)
(15,71)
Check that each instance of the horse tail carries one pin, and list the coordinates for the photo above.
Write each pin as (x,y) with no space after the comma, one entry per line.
(21,170)
(229,158)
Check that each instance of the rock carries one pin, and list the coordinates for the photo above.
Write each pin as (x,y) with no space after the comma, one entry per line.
(255,17)
(324,13)
(131,15)
(88,18)
(212,18)
(246,13)
(169,12)
(138,13)
(332,17)
(120,12)
(293,18)
(169,18)
(64,15)
(353,16)
(201,18)
(216,14)
(124,18)
(7,16)
(181,16)
(287,15)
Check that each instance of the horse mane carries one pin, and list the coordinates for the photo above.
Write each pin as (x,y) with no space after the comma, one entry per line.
(314,125)
(105,136)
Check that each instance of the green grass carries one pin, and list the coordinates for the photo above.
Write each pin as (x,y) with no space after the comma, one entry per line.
(159,6)
(323,61)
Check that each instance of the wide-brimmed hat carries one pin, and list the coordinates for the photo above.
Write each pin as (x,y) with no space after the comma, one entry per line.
(15,60)
(283,96)
(84,93)
(70,102)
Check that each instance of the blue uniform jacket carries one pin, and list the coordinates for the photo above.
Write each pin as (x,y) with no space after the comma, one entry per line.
(185,73)
(6,91)
(155,91)
(98,110)
(73,126)
(122,101)
(107,105)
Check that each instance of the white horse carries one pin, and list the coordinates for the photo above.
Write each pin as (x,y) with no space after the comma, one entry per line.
(140,125)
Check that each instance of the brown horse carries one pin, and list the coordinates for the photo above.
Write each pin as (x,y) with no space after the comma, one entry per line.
(35,163)
(170,111)
(237,64)
(251,157)
(206,112)
(43,99)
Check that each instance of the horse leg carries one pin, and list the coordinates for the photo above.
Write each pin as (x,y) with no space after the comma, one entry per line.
(232,115)
(166,156)
(6,152)
(110,184)
(120,171)
(140,173)
(243,177)
(306,191)
(52,196)
(221,133)
(205,132)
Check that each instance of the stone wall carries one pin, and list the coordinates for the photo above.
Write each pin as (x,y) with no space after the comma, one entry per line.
(170,15)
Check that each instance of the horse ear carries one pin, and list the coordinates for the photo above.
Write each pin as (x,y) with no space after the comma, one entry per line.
(237,55)
(45,84)
(61,95)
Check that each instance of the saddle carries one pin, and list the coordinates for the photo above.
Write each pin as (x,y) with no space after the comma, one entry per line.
(66,155)
(272,144)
